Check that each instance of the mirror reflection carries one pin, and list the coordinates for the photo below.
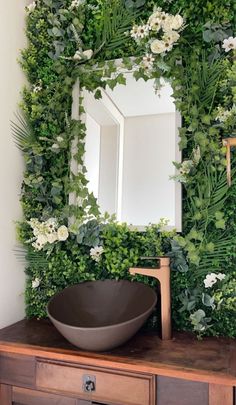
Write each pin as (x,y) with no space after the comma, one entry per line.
(131,142)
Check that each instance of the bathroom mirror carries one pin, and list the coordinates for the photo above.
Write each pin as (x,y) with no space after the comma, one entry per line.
(131,143)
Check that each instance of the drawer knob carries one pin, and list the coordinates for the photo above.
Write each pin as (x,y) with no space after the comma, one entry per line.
(89,383)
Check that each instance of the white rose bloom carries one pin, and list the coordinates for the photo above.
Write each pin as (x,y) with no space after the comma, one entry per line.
(167,23)
(62,233)
(60,139)
(177,22)
(210,280)
(31,7)
(36,283)
(158,46)
(88,54)
(229,43)
(52,237)
(171,37)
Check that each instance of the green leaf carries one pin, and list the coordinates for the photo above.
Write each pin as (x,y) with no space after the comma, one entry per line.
(23,133)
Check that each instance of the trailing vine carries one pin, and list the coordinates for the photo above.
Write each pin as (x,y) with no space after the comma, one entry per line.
(91,40)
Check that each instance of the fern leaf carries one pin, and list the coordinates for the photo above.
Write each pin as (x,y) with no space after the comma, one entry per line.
(22,132)
(116,21)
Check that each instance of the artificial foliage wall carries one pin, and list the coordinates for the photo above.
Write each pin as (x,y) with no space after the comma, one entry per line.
(189,43)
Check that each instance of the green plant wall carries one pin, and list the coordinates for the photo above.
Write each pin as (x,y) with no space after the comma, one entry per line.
(203,76)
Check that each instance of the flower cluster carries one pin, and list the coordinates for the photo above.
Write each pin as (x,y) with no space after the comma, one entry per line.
(229,44)
(223,115)
(187,166)
(47,232)
(75,4)
(161,32)
(212,278)
(96,253)
(36,282)
(31,7)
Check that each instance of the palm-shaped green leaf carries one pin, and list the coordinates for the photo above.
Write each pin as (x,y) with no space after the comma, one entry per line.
(31,257)
(22,132)
(116,21)
(217,260)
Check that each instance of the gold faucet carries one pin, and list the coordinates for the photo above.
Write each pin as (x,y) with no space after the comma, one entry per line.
(162,274)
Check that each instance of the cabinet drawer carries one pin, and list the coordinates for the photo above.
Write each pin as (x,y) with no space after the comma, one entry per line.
(119,388)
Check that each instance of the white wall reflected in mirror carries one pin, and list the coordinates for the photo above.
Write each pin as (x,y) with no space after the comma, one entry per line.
(131,142)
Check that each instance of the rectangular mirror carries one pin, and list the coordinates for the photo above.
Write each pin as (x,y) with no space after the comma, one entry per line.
(131,142)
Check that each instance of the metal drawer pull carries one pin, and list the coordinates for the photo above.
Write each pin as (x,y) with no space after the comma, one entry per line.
(89,383)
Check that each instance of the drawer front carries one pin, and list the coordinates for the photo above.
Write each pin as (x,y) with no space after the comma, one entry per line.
(110,387)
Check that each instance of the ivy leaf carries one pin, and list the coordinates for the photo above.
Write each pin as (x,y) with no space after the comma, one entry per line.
(48,3)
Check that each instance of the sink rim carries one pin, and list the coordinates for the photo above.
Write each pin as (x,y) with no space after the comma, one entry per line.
(115,325)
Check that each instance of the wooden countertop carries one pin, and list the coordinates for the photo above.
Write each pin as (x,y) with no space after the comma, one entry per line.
(210,360)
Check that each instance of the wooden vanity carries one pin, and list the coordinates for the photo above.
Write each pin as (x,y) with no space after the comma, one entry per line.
(38,367)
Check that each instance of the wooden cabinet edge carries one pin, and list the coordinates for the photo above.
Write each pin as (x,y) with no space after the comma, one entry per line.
(220,394)
(139,367)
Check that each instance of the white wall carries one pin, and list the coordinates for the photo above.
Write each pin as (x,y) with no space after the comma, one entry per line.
(149,150)
(12,279)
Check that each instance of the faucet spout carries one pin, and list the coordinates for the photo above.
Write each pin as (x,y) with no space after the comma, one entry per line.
(162,274)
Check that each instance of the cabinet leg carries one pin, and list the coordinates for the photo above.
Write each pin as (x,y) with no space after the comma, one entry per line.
(5,394)
(220,394)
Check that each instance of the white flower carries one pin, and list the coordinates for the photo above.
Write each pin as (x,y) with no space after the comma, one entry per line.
(36,283)
(212,278)
(37,89)
(220,276)
(52,237)
(62,233)
(223,115)
(148,60)
(88,54)
(186,167)
(75,4)
(77,55)
(96,253)
(158,46)
(51,224)
(139,31)
(229,43)
(177,22)
(171,37)
(60,139)
(40,242)
(167,23)
(31,7)
(55,147)
(154,23)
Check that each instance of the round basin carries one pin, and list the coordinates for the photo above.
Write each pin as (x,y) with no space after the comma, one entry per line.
(101,315)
